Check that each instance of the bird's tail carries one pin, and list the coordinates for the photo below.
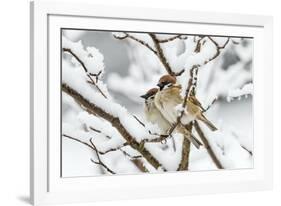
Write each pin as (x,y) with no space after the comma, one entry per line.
(190,137)
(209,124)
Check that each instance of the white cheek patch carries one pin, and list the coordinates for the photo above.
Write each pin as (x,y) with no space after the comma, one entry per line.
(169,85)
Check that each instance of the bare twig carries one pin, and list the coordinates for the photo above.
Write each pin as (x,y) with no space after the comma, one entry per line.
(160,54)
(98,131)
(210,105)
(207,146)
(129,155)
(139,121)
(86,70)
(246,149)
(158,51)
(96,75)
(179,36)
(100,162)
(78,140)
(137,40)
(94,148)
(199,44)
(242,145)
(160,136)
(219,48)
(94,109)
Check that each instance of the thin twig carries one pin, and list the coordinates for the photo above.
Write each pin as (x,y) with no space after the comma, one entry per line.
(98,131)
(94,109)
(218,47)
(179,36)
(86,70)
(241,145)
(94,148)
(245,148)
(100,162)
(150,132)
(129,155)
(209,106)
(137,40)
(161,55)
(78,140)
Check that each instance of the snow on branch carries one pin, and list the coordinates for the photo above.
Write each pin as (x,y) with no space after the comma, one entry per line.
(246,90)
(93,147)
(117,123)
(208,147)
(127,35)
(206,50)
(116,128)
(90,59)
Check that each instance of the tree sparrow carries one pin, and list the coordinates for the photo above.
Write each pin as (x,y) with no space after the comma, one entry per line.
(168,98)
(154,116)
(151,112)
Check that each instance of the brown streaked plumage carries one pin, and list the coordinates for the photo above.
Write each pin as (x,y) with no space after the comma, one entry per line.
(151,112)
(169,98)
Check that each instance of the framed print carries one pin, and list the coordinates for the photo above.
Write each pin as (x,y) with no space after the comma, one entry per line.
(167,104)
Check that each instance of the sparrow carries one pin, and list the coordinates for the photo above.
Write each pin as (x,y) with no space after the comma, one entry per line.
(168,98)
(154,116)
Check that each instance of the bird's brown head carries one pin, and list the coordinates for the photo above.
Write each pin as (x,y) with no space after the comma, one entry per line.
(150,94)
(166,80)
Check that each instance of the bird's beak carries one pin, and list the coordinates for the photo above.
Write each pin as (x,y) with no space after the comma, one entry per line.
(144,96)
(160,85)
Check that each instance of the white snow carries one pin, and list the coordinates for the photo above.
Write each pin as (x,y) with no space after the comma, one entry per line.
(233,119)
(244,91)
(90,56)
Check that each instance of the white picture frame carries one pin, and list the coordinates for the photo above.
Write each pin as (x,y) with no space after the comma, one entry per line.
(47,18)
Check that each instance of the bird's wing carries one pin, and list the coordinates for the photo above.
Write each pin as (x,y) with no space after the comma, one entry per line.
(195,101)
(166,101)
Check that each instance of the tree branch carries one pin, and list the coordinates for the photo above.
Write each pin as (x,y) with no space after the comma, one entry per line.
(179,36)
(207,146)
(137,40)
(219,48)
(139,164)
(159,138)
(100,162)
(94,109)
(89,75)
(185,152)
(161,55)
(94,148)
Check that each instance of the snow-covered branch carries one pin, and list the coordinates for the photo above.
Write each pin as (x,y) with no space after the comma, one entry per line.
(116,123)
(196,63)
(206,143)
(93,147)
(246,90)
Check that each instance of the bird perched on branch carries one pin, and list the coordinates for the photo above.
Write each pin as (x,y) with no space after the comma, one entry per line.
(151,112)
(154,116)
(168,100)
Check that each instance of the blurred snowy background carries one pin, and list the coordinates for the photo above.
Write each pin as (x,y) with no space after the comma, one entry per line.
(131,69)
